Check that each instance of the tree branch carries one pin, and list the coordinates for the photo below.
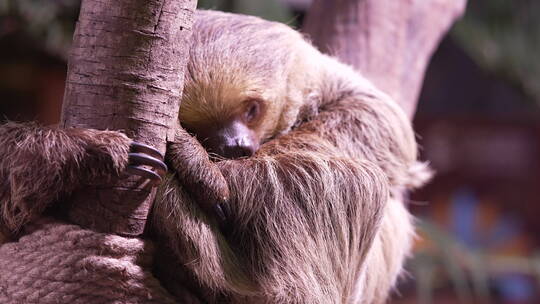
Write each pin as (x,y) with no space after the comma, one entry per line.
(389,41)
(125,72)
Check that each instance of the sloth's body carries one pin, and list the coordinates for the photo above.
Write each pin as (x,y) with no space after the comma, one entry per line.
(315,213)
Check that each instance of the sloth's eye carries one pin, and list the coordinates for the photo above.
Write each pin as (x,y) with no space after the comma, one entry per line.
(252,111)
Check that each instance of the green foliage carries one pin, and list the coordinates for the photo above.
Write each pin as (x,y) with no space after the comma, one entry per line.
(469,271)
(504,37)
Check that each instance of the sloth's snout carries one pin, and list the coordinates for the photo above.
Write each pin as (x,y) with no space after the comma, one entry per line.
(232,141)
(238,147)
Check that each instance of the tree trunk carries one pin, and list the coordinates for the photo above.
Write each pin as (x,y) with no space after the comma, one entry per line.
(125,72)
(389,41)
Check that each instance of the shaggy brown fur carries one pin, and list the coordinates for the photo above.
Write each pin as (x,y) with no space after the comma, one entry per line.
(315,214)
(41,165)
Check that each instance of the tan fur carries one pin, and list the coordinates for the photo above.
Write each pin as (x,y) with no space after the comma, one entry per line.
(316,214)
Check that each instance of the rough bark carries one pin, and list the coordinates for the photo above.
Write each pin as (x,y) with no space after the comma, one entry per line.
(125,72)
(389,41)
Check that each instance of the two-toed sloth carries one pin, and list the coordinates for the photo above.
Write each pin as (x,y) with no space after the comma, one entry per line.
(315,212)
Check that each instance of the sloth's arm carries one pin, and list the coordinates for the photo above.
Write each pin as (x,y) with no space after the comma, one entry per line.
(292,216)
(38,165)
(198,174)
(305,208)
(355,125)
(316,195)
(356,121)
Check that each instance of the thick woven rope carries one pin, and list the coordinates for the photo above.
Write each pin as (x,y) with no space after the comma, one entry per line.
(60,263)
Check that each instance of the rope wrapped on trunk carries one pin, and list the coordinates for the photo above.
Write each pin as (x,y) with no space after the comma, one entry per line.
(62,263)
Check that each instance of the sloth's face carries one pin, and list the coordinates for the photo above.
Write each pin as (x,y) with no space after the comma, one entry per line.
(234,133)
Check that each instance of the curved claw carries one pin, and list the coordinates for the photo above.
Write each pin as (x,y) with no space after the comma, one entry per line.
(146,173)
(222,212)
(143,155)
(143,159)
(137,147)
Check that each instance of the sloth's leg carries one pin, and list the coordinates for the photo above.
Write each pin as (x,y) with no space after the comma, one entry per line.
(40,165)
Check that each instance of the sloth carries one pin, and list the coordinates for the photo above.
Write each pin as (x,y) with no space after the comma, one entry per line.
(313,157)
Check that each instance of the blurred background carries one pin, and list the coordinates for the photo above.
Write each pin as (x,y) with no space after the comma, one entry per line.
(478,122)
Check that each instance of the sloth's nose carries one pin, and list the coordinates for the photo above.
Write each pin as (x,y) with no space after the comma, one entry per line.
(241,147)
(232,141)
(230,148)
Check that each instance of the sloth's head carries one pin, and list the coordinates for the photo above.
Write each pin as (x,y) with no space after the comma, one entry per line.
(238,90)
